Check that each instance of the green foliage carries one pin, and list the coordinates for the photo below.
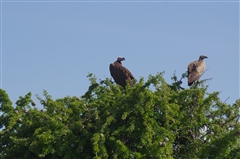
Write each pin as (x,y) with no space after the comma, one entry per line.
(153,119)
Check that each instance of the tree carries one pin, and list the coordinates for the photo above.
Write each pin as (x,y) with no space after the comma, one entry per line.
(153,119)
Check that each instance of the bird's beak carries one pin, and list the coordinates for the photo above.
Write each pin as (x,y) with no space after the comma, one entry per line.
(205,57)
(123,58)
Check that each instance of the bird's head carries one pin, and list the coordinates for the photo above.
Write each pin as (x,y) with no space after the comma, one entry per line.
(120,58)
(202,57)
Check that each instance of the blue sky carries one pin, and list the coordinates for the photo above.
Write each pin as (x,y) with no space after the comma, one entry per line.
(53,45)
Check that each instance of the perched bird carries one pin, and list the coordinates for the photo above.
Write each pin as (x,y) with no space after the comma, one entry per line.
(121,74)
(196,69)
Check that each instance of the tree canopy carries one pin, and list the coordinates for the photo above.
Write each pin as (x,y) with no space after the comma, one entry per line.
(153,119)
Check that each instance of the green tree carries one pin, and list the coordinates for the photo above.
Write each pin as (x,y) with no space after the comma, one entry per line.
(153,119)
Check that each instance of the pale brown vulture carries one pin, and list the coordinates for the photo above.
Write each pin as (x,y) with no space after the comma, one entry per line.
(196,69)
(121,74)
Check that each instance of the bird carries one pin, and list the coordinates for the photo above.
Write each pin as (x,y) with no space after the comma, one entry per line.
(121,74)
(196,69)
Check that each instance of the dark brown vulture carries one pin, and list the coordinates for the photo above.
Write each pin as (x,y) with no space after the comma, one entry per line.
(121,74)
(196,69)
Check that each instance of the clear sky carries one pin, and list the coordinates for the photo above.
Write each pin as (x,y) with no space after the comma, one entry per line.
(53,45)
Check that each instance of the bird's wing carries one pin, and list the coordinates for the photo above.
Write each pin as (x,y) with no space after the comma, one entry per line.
(192,66)
(117,72)
(193,76)
(120,74)
(195,70)
(127,72)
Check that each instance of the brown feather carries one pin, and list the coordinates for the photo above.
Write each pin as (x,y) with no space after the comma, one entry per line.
(195,70)
(121,74)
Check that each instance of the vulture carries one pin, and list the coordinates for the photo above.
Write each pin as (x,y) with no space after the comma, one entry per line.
(196,69)
(121,74)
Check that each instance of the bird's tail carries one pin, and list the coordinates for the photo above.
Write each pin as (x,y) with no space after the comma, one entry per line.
(190,83)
